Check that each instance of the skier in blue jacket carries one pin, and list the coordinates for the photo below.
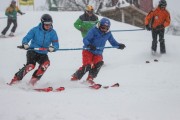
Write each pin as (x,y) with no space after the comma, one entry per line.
(92,57)
(41,36)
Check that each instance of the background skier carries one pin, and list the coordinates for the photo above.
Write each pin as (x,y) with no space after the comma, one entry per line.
(92,58)
(86,21)
(156,21)
(41,36)
(11,13)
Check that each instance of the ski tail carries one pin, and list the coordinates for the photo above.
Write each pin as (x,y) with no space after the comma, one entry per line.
(48,89)
(98,86)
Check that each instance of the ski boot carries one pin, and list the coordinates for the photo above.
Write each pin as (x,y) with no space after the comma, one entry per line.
(74,78)
(2,36)
(89,80)
(80,72)
(11,34)
(153,52)
(33,81)
(14,80)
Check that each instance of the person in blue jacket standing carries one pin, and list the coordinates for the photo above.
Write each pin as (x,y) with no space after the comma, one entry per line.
(41,36)
(92,57)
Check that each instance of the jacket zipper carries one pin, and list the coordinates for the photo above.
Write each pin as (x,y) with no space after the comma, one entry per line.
(44,39)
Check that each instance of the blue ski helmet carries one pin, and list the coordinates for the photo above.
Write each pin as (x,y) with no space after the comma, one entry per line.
(105,22)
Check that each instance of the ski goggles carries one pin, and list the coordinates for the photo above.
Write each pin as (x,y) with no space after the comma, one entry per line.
(104,27)
(47,23)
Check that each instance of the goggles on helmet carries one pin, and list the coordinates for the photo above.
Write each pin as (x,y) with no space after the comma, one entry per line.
(103,28)
(47,23)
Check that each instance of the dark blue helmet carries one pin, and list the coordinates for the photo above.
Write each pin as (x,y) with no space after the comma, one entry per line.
(46,19)
(105,22)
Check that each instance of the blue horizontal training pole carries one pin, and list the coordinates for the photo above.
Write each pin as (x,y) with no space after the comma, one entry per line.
(68,49)
(99,48)
(127,30)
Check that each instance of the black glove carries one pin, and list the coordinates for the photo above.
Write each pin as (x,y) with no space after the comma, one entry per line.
(148,28)
(92,47)
(121,46)
(159,27)
(23,13)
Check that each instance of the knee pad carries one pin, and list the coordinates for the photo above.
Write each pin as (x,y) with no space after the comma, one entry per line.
(99,64)
(45,65)
(40,71)
(94,71)
(29,67)
(23,71)
(79,73)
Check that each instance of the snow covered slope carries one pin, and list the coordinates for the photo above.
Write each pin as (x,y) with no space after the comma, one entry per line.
(147,91)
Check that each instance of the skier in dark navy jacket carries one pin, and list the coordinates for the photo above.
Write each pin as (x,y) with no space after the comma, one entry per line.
(41,36)
(92,57)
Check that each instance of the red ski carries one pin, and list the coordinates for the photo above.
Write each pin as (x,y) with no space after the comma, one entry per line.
(98,86)
(49,89)
(114,85)
(95,86)
(59,89)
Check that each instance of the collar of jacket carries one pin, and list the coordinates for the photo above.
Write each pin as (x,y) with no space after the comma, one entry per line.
(87,16)
(12,6)
(159,8)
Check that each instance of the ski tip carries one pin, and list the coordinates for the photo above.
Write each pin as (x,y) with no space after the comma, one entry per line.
(60,89)
(115,85)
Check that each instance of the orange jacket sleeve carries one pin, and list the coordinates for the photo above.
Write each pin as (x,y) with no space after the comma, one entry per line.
(167,20)
(148,17)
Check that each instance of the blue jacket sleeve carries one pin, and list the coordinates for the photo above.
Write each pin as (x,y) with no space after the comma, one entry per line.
(112,41)
(28,37)
(87,39)
(55,41)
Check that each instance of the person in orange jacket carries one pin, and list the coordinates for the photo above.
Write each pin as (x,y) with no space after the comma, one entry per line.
(156,21)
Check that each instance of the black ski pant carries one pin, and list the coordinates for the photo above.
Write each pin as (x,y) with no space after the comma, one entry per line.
(9,22)
(32,59)
(155,34)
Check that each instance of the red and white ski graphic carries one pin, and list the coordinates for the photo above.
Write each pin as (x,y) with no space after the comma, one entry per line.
(98,86)
(49,89)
